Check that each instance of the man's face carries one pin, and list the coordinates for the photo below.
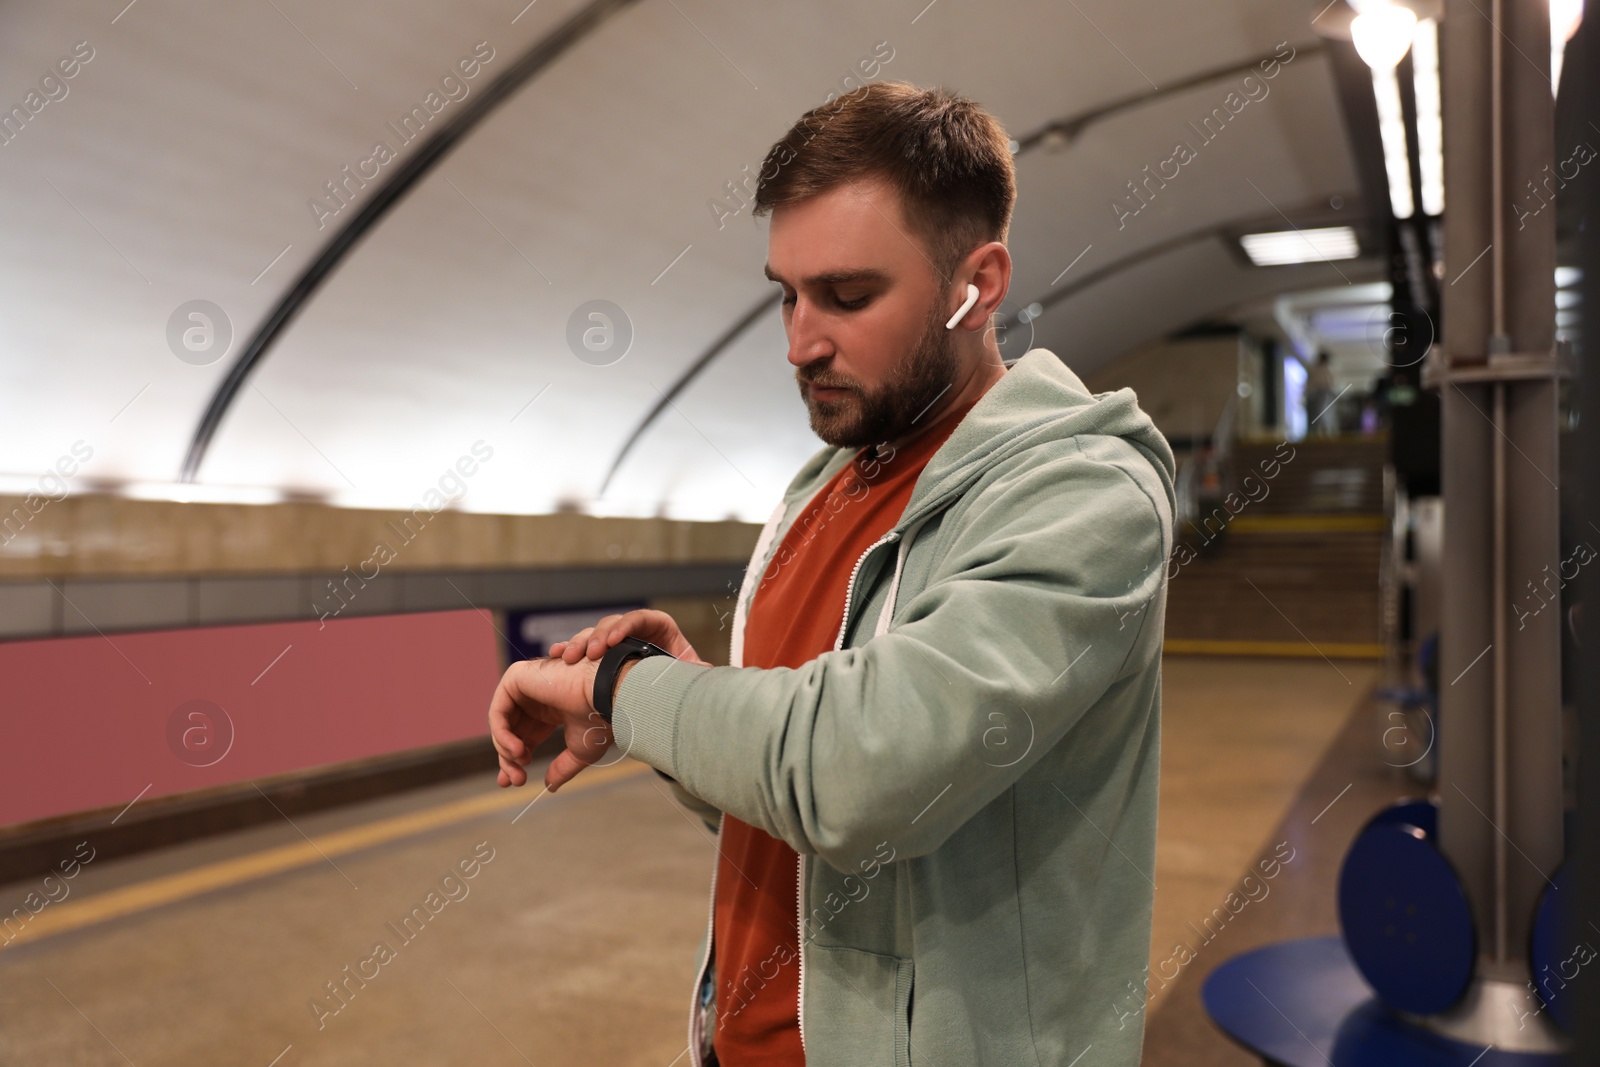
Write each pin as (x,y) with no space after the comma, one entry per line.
(864,311)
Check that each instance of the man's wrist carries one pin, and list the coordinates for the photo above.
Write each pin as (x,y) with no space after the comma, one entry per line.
(611,668)
(616,687)
(623,673)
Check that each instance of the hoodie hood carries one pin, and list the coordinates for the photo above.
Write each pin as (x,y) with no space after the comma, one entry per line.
(1039,399)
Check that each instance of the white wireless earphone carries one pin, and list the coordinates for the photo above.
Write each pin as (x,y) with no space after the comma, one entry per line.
(972,298)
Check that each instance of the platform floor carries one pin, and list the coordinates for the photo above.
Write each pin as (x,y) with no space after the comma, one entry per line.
(574,943)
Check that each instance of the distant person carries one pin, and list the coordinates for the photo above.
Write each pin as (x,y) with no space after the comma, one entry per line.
(1392,390)
(1321,419)
(932,766)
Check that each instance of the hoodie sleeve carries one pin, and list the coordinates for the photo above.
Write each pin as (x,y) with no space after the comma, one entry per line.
(707,814)
(1033,610)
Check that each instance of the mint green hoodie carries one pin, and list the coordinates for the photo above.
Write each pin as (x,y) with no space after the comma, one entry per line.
(969,777)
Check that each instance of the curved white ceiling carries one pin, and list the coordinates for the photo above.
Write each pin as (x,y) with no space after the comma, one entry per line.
(180,163)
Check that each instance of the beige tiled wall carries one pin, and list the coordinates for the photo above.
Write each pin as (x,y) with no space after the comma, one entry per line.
(107,536)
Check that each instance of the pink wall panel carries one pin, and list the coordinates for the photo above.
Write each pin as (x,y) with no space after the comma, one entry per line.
(88,722)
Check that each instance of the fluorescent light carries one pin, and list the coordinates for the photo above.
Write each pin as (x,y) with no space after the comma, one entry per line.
(1392,127)
(1430,127)
(24,484)
(1382,33)
(1565,17)
(199,493)
(1300,246)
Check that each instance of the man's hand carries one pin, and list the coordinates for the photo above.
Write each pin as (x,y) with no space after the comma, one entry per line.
(534,699)
(657,627)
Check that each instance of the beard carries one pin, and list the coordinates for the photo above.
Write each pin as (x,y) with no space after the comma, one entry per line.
(896,408)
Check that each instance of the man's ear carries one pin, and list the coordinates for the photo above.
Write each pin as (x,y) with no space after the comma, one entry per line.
(966,306)
(988,267)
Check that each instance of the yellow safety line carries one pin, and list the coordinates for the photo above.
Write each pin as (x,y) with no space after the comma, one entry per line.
(127,900)
(1332,650)
(1307,523)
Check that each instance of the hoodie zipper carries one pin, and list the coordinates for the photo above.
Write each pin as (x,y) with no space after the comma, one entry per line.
(800,941)
(800,865)
(696,1014)
(850,589)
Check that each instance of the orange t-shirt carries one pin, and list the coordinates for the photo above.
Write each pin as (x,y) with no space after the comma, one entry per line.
(794,617)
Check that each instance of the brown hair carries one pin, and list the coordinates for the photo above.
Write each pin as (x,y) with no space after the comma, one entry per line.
(949,160)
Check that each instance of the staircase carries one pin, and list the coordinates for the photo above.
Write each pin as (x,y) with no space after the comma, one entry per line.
(1284,559)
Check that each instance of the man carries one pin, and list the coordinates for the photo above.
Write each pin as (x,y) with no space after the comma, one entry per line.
(932,765)
(1319,397)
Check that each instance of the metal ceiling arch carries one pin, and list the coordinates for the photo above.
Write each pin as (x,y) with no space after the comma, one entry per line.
(1073,125)
(415,167)
(729,336)
(1221,230)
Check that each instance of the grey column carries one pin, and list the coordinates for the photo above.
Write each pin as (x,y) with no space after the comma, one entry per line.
(1500,818)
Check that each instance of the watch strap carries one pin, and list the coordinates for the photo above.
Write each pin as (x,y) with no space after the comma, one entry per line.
(605,680)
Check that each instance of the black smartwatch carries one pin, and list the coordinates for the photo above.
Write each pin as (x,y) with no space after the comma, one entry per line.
(605,680)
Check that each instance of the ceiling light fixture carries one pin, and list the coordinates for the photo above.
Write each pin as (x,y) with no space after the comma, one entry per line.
(202,493)
(1381,32)
(1565,18)
(1392,129)
(1280,247)
(1430,122)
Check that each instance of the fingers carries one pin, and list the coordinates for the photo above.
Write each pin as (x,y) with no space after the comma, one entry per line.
(503,713)
(572,651)
(535,698)
(661,629)
(607,632)
(581,642)
(510,774)
(587,741)
(512,771)
(563,769)
(515,726)
(591,641)
(646,624)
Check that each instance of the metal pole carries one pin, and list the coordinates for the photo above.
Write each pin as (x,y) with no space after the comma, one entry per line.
(1498,343)
(1501,810)
(1497,178)
(1500,789)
